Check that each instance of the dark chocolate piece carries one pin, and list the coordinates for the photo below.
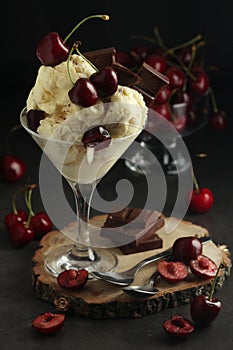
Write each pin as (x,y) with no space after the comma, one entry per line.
(126,226)
(154,242)
(151,81)
(125,75)
(102,57)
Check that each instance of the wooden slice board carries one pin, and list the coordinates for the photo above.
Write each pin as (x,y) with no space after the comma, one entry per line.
(101,300)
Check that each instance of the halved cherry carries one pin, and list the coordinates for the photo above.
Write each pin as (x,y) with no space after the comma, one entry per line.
(203,267)
(72,279)
(178,326)
(172,271)
(48,322)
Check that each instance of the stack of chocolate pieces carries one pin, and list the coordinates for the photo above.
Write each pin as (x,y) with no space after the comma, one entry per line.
(134,230)
(146,80)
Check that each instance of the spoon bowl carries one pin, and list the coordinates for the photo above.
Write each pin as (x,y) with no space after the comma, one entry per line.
(146,290)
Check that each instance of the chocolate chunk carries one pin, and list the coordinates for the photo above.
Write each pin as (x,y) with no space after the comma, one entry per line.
(154,242)
(151,82)
(125,75)
(102,57)
(132,225)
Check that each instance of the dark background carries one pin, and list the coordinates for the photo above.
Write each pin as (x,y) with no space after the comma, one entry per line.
(24,23)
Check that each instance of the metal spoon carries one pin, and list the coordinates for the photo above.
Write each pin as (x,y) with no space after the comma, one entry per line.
(125,278)
(146,290)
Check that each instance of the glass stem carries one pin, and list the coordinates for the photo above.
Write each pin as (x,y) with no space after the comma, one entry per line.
(83,195)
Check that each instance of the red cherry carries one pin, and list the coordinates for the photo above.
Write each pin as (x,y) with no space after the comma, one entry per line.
(204,310)
(201,83)
(163,95)
(163,109)
(172,271)
(41,224)
(20,234)
(123,58)
(179,122)
(181,96)
(83,93)
(105,81)
(186,248)
(157,62)
(139,53)
(72,279)
(12,169)
(203,267)
(218,120)
(33,119)
(12,218)
(52,50)
(48,322)
(176,77)
(201,200)
(97,137)
(178,326)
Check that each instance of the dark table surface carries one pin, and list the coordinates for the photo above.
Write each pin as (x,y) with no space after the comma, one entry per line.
(19,305)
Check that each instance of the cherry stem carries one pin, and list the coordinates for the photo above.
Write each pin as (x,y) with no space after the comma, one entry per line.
(173,116)
(86,59)
(213,100)
(212,289)
(15,211)
(195,182)
(11,131)
(187,43)
(103,17)
(28,200)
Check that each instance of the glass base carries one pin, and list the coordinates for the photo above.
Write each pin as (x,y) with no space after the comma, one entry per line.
(63,258)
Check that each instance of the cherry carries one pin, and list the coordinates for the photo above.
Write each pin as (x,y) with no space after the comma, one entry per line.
(186,55)
(21,234)
(204,309)
(12,218)
(41,224)
(178,326)
(72,279)
(181,96)
(203,267)
(176,76)
(33,119)
(157,62)
(52,50)
(172,271)
(83,93)
(97,137)
(218,120)
(105,81)
(139,53)
(48,322)
(186,248)
(201,200)
(163,95)
(123,58)
(12,169)
(179,122)
(200,84)
(163,109)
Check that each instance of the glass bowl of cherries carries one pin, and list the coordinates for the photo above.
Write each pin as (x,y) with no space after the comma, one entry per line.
(188,102)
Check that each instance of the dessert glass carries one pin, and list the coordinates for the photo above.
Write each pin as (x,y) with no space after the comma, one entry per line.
(83,168)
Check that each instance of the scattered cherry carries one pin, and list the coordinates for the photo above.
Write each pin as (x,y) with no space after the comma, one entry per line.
(33,119)
(12,218)
(83,93)
(139,53)
(163,109)
(157,62)
(21,234)
(72,279)
(12,168)
(123,58)
(178,326)
(218,120)
(163,95)
(41,224)
(97,137)
(201,200)
(172,271)
(204,309)
(176,77)
(48,322)
(200,84)
(186,248)
(203,267)
(105,81)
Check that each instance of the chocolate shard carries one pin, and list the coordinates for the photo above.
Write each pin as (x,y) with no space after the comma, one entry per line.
(135,228)
(102,57)
(154,242)
(125,75)
(151,82)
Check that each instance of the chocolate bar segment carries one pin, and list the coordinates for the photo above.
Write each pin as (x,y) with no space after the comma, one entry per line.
(102,57)
(132,225)
(151,82)
(125,76)
(154,242)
